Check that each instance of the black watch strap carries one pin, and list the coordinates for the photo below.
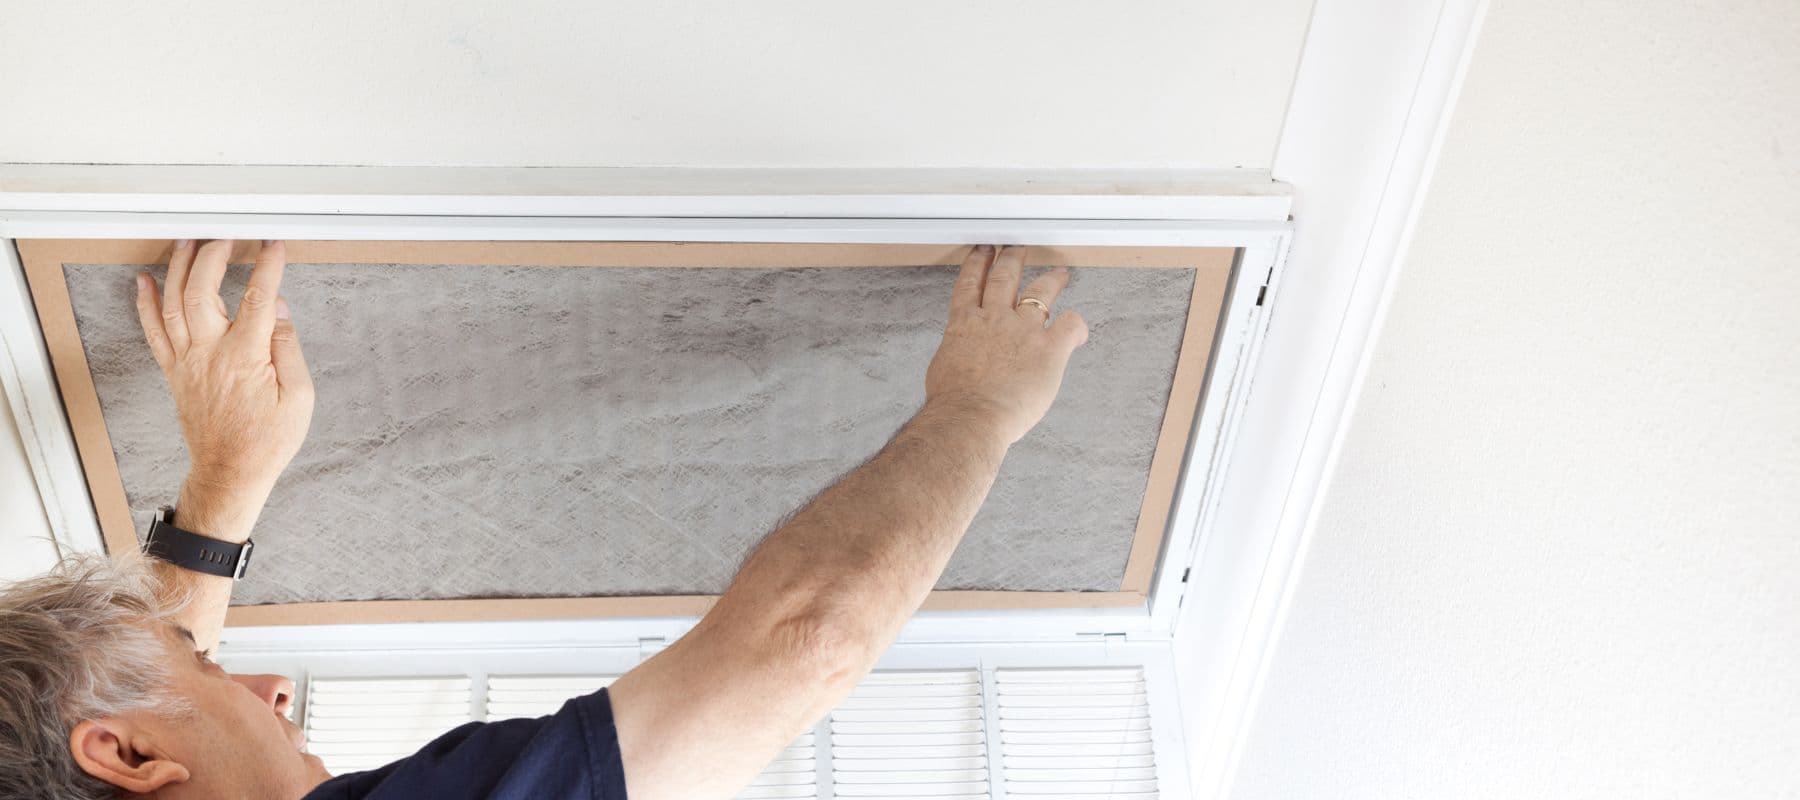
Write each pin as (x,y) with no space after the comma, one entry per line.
(191,551)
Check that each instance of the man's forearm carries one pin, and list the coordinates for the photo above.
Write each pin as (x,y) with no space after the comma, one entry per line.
(813,608)
(216,511)
(243,397)
(864,554)
(809,612)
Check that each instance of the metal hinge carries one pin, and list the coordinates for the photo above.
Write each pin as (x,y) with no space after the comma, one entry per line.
(1263,291)
(1101,636)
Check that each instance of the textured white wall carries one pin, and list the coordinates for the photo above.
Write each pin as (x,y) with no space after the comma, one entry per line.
(1561,556)
(791,83)
(25,544)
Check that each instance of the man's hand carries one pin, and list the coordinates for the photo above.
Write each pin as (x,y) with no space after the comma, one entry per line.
(241,387)
(1000,359)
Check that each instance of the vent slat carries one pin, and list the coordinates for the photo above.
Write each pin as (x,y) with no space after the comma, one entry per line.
(860,752)
(1084,689)
(921,678)
(940,727)
(1075,734)
(961,699)
(905,714)
(1121,700)
(904,764)
(1075,737)
(1034,795)
(934,790)
(886,777)
(907,739)
(1076,712)
(1075,725)
(1103,749)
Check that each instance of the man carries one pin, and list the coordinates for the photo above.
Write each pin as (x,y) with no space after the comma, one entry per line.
(107,689)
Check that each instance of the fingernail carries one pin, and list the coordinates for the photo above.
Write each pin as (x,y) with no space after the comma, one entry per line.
(180,243)
(281,308)
(984,248)
(143,280)
(269,242)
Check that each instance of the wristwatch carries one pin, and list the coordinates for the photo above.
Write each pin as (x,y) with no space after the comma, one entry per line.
(191,551)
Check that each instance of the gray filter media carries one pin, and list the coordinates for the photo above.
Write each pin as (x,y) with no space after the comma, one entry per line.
(554,431)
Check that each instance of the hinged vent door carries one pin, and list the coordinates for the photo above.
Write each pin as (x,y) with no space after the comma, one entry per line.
(1081,734)
(911,734)
(360,724)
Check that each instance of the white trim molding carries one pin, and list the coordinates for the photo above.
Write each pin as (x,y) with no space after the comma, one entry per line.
(40,224)
(1223,195)
(1371,102)
(36,406)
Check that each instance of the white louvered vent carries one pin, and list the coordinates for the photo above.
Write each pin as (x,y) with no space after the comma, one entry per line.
(360,724)
(513,696)
(1075,734)
(911,735)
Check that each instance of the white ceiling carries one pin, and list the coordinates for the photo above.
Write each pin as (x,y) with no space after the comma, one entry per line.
(708,83)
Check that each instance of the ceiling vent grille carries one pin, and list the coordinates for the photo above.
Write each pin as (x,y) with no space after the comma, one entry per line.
(1075,734)
(913,735)
(360,724)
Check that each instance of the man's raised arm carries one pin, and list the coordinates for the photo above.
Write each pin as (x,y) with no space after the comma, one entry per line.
(244,397)
(821,598)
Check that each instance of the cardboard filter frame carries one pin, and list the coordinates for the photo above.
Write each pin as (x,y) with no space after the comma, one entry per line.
(44,259)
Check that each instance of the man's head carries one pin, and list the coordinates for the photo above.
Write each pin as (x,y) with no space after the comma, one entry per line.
(102,695)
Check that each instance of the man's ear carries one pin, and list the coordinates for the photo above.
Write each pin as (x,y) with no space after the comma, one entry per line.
(116,752)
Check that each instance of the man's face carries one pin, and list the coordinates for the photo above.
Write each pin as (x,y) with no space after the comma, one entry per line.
(236,740)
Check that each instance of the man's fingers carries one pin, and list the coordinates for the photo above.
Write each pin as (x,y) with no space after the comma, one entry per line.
(284,351)
(255,323)
(1043,289)
(967,294)
(174,324)
(1002,288)
(1070,328)
(150,316)
(200,303)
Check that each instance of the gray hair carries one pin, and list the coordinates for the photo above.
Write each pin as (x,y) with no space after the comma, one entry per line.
(76,644)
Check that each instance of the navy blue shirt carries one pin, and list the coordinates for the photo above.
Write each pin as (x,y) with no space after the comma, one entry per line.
(573,755)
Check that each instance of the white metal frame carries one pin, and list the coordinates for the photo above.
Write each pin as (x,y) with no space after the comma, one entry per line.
(844,194)
(760,219)
(31,392)
(1368,111)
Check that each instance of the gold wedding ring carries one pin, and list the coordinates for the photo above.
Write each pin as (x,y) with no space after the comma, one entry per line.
(1032,301)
